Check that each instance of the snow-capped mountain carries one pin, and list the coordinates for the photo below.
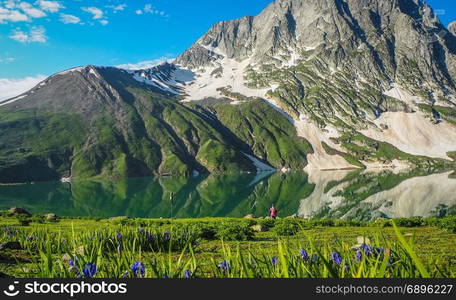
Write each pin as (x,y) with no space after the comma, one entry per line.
(384,68)
(315,84)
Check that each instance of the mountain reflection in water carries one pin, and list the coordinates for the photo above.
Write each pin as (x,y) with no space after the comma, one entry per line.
(360,194)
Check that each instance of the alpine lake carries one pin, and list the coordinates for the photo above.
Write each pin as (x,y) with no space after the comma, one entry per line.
(349,194)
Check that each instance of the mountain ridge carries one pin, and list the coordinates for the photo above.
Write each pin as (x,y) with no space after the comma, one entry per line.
(305,84)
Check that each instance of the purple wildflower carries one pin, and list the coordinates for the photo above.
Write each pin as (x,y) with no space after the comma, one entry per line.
(90,270)
(304,255)
(367,249)
(138,269)
(359,255)
(274,261)
(150,238)
(336,258)
(224,266)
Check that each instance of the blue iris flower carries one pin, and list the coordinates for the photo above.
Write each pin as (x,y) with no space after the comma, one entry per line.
(224,266)
(304,255)
(367,249)
(138,269)
(336,258)
(359,255)
(90,270)
(274,261)
(187,274)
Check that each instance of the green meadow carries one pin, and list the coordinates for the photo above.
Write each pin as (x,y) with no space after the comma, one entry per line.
(33,247)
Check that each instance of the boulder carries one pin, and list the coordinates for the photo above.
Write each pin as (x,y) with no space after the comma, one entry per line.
(251,216)
(66,259)
(50,217)
(19,211)
(121,218)
(259,228)
(295,216)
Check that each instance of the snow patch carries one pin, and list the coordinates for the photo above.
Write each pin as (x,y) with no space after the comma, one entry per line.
(413,133)
(93,72)
(143,78)
(320,160)
(172,80)
(398,93)
(13,100)
(65,179)
(78,69)
(207,82)
(261,167)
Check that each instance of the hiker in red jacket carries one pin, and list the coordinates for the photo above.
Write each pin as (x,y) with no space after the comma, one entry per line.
(273,212)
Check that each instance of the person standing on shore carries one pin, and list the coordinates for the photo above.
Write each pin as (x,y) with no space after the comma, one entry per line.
(273,212)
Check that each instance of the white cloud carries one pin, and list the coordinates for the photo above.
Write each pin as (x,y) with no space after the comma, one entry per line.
(117,8)
(36,35)
(7,60)
(10,88)
(50,6)
(149,9)
(10,4)
(95,11)
(31,11)
(11,16)
(69,19)
(19,36)
(145,64)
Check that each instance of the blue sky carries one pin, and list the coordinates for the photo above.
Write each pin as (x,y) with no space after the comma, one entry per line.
(40,37)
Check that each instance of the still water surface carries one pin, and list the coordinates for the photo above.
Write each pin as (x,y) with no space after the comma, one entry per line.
(364,195)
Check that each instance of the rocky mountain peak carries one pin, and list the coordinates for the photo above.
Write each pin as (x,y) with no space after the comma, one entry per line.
(452,27)
(287,26)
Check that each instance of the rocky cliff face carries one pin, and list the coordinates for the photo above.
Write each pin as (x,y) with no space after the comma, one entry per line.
(369,69)
(375,39)
(452,27)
